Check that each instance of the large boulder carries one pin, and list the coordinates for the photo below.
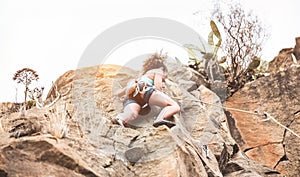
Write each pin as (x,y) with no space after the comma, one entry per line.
(199,145)
(42,156)
(262,139)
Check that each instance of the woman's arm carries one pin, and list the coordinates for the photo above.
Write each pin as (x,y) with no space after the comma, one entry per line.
(158,79)
(130,88)
(120,92)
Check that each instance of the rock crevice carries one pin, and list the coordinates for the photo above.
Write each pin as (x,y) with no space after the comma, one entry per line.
(266,141)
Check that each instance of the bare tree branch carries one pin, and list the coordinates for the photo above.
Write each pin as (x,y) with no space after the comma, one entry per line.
(244,36)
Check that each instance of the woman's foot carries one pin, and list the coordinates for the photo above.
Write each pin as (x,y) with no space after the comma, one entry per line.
(120,121)
(123,124)
(158,122)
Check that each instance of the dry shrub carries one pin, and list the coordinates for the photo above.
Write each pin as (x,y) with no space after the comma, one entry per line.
(58,126)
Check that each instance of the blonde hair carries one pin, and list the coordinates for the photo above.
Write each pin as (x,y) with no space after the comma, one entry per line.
(155,61)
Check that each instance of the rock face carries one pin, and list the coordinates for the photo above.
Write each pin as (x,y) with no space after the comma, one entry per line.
(266,141)
(297,48)
(41,156)
(281,62)
(286,57)
(199,145)
(7,108)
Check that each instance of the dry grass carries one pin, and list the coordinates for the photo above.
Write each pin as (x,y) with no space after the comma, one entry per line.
(58,126)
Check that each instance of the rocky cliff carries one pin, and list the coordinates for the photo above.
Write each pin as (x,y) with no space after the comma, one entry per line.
(296,51)
(285,58)
(78,137)
(262,139)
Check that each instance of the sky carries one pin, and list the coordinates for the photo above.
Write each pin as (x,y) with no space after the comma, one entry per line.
(51,36)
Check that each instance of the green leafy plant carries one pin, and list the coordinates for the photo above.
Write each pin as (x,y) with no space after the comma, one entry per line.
(30,104)
(261,70)
(214,32)
(202,59)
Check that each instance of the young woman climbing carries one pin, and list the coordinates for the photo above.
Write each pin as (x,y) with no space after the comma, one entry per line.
(147,90)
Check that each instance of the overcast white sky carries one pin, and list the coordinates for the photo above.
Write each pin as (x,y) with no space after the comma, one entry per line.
(50,36)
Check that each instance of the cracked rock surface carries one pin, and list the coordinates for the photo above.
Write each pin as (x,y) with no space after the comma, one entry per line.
(199,145)
(266,141)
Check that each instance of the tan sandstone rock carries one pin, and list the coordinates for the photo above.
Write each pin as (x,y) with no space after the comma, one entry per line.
(266,141)
(199,145)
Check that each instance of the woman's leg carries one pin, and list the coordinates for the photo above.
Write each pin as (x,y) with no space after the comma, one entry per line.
(170,107)
(129,113)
